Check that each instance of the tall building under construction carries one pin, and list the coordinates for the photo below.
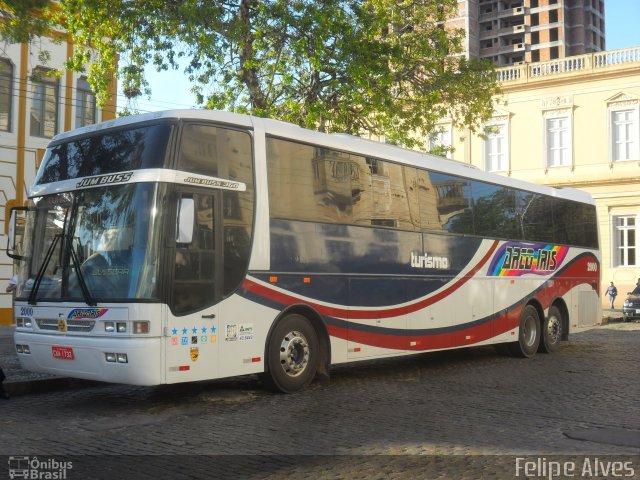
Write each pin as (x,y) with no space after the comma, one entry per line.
(509,32)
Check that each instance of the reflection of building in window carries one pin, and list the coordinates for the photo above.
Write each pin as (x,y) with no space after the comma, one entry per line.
(451,196)
(6,94)
(85,104)
(332,173)
(44,104)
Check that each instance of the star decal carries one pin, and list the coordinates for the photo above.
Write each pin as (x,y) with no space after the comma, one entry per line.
(174,331)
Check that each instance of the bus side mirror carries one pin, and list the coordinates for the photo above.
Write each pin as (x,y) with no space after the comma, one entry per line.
(185,220)
(16,232)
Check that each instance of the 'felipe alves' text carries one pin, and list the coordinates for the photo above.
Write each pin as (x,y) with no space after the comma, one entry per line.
(518,258)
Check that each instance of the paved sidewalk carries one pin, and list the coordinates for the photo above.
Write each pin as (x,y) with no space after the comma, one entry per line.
(21,382)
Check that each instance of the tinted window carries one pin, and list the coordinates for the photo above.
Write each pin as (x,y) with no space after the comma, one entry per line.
(313,183)
(115,151)
(535,217)
(494,211)
(383,194)
(445,202)
(575,223)
(215,151)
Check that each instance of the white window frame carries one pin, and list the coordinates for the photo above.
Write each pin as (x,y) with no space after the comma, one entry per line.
(633,150)
(620,246)
(441,136)
(551,130)
(494,131)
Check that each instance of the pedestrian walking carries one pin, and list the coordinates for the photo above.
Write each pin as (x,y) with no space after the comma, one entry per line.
(612,293)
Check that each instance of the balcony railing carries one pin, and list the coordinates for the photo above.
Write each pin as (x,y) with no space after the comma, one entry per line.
(580,63)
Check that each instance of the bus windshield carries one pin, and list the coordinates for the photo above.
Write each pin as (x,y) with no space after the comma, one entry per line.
(93,245)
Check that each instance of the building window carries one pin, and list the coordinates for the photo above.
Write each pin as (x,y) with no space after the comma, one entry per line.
(496,148)
(440,141)
(625,130)
(558,141)
(626,240)
(6,94)
(85,104)
(44,104)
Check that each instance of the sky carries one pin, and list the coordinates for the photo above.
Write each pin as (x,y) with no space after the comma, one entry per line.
(171,89)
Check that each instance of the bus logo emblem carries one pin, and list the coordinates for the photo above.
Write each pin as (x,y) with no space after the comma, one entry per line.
(195,351)
(62,325)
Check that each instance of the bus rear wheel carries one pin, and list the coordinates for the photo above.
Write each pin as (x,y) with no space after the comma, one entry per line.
(551,331)
(528,334)
(292,355)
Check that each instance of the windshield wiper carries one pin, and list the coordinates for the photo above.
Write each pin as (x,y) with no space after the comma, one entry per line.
(88,299)
(71,227)
(43,268)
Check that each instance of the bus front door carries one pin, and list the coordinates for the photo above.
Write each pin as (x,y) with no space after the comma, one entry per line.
(192,325)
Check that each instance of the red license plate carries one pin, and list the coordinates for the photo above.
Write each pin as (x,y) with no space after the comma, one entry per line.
(65,353)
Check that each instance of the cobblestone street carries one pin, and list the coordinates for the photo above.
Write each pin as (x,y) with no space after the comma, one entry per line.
(464,414)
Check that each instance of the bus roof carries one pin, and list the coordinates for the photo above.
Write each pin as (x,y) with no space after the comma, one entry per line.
(339,141)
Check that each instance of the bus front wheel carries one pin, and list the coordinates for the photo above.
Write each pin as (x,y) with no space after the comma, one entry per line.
(528,334)
(292,355)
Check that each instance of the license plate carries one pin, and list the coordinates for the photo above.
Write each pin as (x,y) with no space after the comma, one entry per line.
(65,353)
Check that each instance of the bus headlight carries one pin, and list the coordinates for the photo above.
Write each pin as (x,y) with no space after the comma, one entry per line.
(121,327)
(24,323)
(109,327)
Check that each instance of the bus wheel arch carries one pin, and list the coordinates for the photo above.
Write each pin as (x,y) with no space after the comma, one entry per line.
(298,330)
(529,331)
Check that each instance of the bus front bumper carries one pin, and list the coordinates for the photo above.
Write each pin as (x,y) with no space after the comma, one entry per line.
(134,361)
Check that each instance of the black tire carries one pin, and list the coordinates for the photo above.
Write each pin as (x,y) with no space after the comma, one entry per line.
(528,334)
(552,330)
(292,355)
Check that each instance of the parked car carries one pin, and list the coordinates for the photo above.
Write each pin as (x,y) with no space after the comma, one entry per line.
(631,305)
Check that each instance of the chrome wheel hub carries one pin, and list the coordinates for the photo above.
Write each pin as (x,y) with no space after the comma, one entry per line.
(294,353)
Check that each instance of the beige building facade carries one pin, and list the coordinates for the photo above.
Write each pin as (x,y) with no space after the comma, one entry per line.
(572,122)
(35,106)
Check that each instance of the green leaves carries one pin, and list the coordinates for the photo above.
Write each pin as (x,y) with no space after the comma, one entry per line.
(383,67)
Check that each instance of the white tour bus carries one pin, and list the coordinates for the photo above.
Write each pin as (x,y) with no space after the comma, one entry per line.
(188,245)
